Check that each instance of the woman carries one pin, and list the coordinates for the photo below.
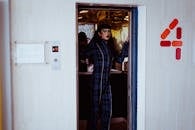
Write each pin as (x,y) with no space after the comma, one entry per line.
(101,52)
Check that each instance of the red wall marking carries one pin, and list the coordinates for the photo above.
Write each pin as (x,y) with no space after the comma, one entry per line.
(173,24)
(165,43)
(165,33)
(175,43)
(178,53)
(178,32)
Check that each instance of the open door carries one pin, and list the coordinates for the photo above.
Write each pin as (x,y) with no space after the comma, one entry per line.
(122,20)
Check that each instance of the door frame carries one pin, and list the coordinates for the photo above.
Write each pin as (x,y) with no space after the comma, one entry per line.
(136,73)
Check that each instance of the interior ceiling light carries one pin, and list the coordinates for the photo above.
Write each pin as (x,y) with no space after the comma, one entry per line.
(83,11)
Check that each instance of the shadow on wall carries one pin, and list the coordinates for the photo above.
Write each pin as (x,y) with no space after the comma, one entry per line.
(5,73)
(1,59)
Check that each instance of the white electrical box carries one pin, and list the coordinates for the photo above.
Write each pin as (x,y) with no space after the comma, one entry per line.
(29,52)
(46,52)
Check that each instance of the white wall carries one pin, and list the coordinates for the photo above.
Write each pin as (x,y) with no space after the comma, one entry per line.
(169,83)
(46,99)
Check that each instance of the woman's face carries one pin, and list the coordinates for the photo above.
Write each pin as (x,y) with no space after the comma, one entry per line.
(105,34)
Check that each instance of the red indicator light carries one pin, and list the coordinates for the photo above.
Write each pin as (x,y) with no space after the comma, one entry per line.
(55,49)
(178,33)
(165,33)
(178,54)
(173,24)
(165,43)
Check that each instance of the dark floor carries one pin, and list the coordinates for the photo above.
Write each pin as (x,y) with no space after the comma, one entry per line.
(118,123)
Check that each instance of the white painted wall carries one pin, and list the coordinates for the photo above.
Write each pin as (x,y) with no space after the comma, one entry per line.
(169,83)
(45,99)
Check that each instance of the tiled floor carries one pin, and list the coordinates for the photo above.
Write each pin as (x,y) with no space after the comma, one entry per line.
(116,124)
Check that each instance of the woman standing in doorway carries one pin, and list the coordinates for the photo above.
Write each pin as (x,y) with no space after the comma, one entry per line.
(101,52)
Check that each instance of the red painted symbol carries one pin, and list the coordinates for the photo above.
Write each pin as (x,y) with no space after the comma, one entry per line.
(173,24)
(175,43)
(178,53)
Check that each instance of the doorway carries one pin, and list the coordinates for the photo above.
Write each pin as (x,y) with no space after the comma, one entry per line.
(123,20)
